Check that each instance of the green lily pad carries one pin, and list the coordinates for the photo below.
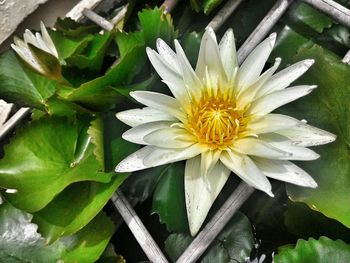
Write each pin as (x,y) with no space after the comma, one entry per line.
(43,159)
(22,86)
(323,250)
(170,193)
(233,244)
(20,242)
(327,108)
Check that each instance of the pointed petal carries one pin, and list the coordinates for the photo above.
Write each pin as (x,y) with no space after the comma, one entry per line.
(284,144)
(245,168)
(167,73)
(160,102)
(162,156)
(137,134)
(29,37)
(260,148)
(28,57)
(227,47)
(47,39)
(307,135)
(209,57)
(255,62)
(198,197)
(285,77)
(285,171)
(274,100)
(249,94)
(189,76)
(271,123)
(134,162)
(136,117)
(168,55)
(169,137)
(208,161)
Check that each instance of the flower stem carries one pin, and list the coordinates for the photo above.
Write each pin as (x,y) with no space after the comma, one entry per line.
(216,224)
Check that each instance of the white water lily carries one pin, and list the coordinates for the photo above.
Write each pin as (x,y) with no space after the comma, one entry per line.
(220,121)
(42,42)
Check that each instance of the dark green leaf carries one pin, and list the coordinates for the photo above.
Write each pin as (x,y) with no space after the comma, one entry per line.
(169,198)
(310,17)
(22,86)
(93,55)
(128,41)
(109,256)
(323,250)
(305,222)
(68,46)
(71,28)
(141,184)
(98,94)
(233,244)
(47,163)
(210,5)
(328,108)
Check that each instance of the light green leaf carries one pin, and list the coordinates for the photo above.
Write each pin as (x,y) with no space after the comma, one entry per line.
(44,158)
(170,193)
(155,24)
(323,250)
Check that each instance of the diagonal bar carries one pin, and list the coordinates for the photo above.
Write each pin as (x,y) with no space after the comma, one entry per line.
(346,59)
(97,19)
(141,234)
(13,121)
(263,28)
(216,224)
(336,11)
(224,13)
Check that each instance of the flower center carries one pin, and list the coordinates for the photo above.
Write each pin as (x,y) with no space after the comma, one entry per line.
(215,121)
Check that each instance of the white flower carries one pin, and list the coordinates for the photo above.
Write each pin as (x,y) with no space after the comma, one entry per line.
(220,121)
(29,50)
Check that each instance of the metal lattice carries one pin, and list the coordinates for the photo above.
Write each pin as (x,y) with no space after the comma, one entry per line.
(87,9)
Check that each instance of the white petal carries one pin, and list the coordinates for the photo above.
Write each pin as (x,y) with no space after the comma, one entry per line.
(198,198)
(160,102)
(169,137)
(209,57)
(274,100)
(47,39)
(167,73)
(260,148)
(307,135)
(189,76)
(28,57)
(29,37)
(134,162)
(285,171)
(168,55)
(136,134)
(208,161)
(285,77)
(162,156)
(245,168)
(271,123)
(5,110)
(255,62)
(246,96)
(136,117)
(284,144)
(228,55)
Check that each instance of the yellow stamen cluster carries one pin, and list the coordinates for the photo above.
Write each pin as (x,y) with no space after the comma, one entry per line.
(215,121)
